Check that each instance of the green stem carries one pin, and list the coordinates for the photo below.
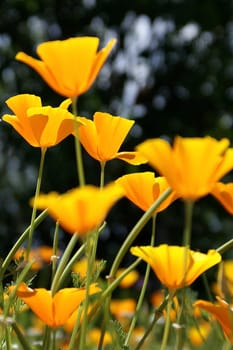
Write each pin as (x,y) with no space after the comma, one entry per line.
(136,230)
(143,290)
(38,185)
(102,167)
(188,222)
(55,250)
(226,246)
(63,262)
(157,314)
(167,322)
(78,150)
(21,337)
(75,329)
(91,246)
(20,241)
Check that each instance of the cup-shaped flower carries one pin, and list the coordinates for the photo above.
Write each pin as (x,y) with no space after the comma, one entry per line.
(80,210)
(192,165)
(103,137)
(222,312)
(223,192)
(144,188)
(54,310)
(69,66)
(41,126)
(176,266)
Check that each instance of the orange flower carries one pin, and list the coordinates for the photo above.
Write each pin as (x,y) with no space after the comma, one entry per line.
(129,279)
(103,137)
(222,312)
(224,285)
(198,334)
(176,266)
(122,309)
(224,194)
(192,166)
(80,210)
(144,188)
(69,66)
(42,254)
(55,310)
(39,126)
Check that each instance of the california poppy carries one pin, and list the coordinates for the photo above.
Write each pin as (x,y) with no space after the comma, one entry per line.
(192,165)
(81,209)
(40,126)
(144,188)
(55,310)
(69,66)
(222,312)
(223,192)
(176,266)
(103,137)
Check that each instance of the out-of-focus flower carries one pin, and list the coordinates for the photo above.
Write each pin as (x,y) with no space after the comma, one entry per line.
(223,192)
(222,312)
(42,254)
(69,66)
(123,308)
(199,333)
(129,280)
(54,310)
(158,297)
(103,137)
(144,188)
(80,210)
(94,335)
(41,126)
(191,166)
(176,266)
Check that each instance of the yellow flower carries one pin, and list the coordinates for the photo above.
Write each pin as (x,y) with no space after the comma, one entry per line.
(222,312)
(224,285)
(144,188)
(176,266)
(69,66)
(198,334)
(224,194)
(80,210)
(123,309)
(55,310)
(40,126)
(94,335)
(129,279)
(103,137)
(192,165)
(42,254)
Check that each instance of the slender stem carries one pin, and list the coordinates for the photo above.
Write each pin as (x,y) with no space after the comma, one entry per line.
(70,263)
(136,230)
(226,246)
(91,256)
(75,329)
(21,337)
(20,241)
(143,290)
(167,322)
(188,222)
(102,167)
(63,262)
(38,185)
(55,250)
(78,150)
(157,314)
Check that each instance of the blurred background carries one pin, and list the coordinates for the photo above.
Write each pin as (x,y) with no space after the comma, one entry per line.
(171,71)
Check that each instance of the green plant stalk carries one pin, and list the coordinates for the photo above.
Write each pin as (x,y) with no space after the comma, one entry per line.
(75,329)
(143,290)
(167,322)
(78,150)
(21,337)
(136,230)
(158,313)
(91,246)
(34,210)
(63,262)
(55,249)
(20,241)
(188,205)
(226,246)
(102,168)
(70,263)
